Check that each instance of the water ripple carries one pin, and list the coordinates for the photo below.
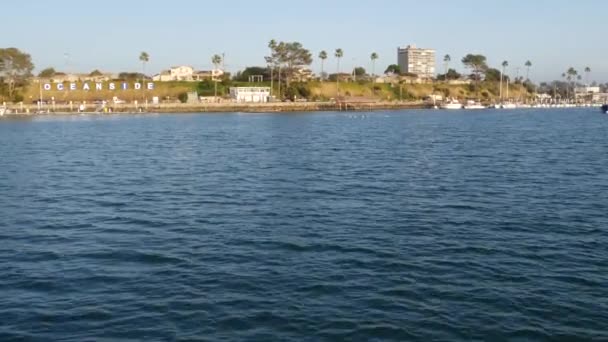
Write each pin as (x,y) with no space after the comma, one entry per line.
(404,226)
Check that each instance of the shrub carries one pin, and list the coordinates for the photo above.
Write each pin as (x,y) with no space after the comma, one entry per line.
(182,97)
(18,98)
(297,90)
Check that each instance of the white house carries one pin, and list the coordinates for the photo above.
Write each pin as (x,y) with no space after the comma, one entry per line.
(177,73)
(214,75)
(250,94)
(187,74)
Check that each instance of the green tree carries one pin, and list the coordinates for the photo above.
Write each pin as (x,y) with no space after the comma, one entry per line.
(504,64)
(494,75)
(144,58)
(477,64)
(393,69)
(47,73)
(338,54)
(322,57)
(15,69)
(446,61)
(374,57)
(271,63)
(290,57)
(451,75)
(243,76)
(587,72)
(360,71)
(571,74)
(216,60)
(95,73)
(297,90)
(528,66)
(295,57)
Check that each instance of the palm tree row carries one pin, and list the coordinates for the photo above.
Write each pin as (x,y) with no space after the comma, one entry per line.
(571,76)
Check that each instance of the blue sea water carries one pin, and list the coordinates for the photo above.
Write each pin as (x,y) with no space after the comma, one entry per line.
(402,226)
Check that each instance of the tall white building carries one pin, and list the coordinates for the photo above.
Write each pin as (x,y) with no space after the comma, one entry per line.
(416,61)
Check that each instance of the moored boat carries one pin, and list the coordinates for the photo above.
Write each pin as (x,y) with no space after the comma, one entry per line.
(508,105)
(605,109)
(452,104)
(474,105)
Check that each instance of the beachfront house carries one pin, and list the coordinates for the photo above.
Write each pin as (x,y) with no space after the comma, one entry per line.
(187,74)
(250,94)
(213,75)
(176,73)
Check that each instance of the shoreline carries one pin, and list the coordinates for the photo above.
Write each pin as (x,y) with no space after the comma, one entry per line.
(186,108)
(232,108)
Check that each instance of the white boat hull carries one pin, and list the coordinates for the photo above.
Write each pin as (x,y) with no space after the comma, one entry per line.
(451,106)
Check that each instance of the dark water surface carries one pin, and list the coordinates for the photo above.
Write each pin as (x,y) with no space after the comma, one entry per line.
(326,226)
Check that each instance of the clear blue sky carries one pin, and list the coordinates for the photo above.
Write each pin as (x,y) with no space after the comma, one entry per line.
(110,34)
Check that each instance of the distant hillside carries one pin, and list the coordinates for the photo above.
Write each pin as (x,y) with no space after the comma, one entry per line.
(487,92)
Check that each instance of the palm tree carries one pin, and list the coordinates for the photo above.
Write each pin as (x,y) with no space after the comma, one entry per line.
(322,57)
(374,57)
(528,66)
(505,64)
(567,89)
(571,74)
(446,61)
(144,58)
(587,72)
(281,51)
(216,60)
(272,46)
(338,54)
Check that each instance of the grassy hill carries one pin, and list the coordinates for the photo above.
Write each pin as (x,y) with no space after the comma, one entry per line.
(487,91)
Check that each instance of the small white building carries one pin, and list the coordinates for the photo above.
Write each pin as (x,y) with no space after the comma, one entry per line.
(250,94)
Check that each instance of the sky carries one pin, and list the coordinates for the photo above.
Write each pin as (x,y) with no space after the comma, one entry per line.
(80,36)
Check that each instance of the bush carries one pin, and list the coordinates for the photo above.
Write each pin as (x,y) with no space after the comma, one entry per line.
(297,90)
(18,98)
(183,97)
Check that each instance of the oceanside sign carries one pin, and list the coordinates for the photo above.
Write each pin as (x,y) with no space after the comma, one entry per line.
(87,86)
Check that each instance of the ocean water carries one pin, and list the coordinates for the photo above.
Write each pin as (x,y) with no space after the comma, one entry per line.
(386,226)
